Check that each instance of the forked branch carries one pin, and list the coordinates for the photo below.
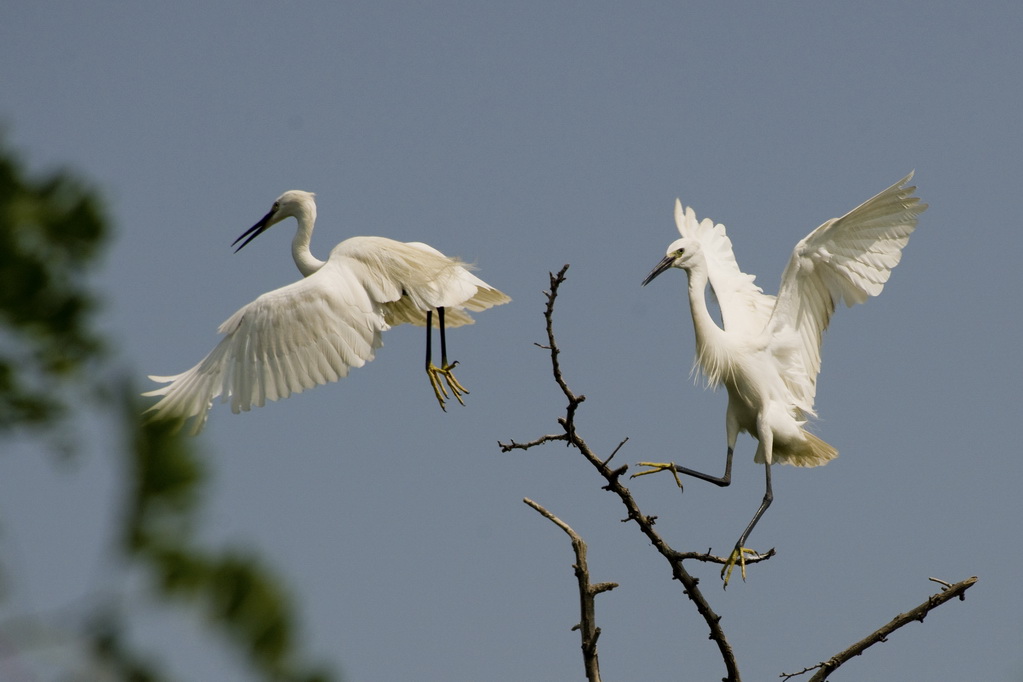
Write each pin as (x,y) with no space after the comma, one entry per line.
(588,630)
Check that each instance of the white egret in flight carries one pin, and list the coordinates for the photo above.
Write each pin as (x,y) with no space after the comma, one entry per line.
(312,331)
(768,353)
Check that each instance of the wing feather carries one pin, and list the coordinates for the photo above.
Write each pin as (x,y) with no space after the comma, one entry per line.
(286,341)
(846,259)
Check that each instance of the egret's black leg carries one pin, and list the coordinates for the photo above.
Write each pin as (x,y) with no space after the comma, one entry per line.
(722,482)
(740,551)
(443,339)
(457,389)
(768,499)
(435,373)
(676,470)
(429,339)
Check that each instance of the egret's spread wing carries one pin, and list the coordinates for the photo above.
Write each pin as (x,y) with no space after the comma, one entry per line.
(411,278)
(745,308)
(296,337)
(849,259)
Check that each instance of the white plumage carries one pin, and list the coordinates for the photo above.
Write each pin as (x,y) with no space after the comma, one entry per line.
(313,331)
(767,355)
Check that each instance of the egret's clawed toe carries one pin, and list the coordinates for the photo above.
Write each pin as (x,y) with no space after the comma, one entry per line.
(656,467)
(738,555)
(457,390)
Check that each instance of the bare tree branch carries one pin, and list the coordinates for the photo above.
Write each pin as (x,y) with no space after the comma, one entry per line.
(587,626)
(614,485)
(825,668)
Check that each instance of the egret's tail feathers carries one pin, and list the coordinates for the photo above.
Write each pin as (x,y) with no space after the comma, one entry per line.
(406,310)
(486,297)
(812,452)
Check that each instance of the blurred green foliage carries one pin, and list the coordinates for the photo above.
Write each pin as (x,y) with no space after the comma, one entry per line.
(230,586)
(52,233)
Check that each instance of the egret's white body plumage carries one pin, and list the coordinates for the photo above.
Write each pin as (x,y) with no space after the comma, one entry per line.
(313,331)
(767,354)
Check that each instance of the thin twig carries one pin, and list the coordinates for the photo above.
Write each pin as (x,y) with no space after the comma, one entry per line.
(508,447)
(587,626)
(615,451)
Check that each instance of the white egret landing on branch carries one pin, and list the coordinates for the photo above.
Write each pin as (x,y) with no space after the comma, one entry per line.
(311,332)
(768,353)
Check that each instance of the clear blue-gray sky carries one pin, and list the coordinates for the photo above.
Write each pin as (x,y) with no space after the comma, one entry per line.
(522,136)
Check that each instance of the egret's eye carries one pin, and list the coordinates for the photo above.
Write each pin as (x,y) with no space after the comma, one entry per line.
(680,252)
(276,206)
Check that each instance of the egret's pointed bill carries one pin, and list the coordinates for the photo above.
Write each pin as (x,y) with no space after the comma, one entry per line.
(661,267)
(254,231)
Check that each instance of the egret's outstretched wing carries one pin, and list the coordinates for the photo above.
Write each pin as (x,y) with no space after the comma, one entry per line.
(287,340)
(745,308)
(848,259)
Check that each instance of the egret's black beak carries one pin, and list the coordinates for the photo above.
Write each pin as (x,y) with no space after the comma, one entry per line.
(254,231)
(665,263)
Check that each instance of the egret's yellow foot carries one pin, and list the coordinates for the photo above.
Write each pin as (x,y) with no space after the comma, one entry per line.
(738,555)
(457,390)
(656,467)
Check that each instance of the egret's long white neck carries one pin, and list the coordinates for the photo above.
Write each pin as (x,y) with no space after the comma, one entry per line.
(709,336)
(305,260)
